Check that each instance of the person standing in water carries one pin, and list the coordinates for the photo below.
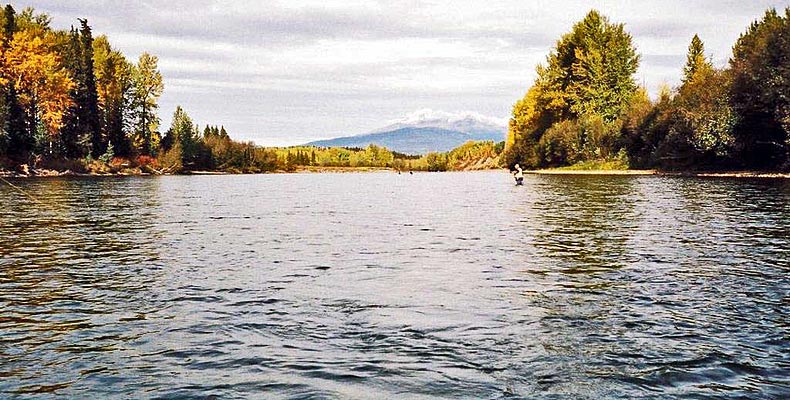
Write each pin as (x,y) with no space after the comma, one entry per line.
(519,175)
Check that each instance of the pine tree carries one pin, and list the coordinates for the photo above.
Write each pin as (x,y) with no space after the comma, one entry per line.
(18,142)
(89,99)
(183,133)
(695,60)
(73,140)
(81,134)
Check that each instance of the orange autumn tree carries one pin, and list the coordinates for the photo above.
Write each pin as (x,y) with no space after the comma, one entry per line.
(37,73)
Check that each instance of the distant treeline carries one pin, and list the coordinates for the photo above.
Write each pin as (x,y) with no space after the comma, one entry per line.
(586,107)
(470,155)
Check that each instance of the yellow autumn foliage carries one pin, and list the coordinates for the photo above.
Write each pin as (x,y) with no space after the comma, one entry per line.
(42,84)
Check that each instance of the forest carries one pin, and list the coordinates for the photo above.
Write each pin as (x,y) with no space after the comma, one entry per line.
(586,108)
(72,102)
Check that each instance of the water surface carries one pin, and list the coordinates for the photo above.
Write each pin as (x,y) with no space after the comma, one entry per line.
(454,285)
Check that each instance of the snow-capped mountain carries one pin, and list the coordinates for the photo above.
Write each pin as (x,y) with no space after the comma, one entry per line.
(471,123)
(426,130)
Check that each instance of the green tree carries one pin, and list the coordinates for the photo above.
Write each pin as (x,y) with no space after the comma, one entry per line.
(591,71)
(115,94)
(634,127)
(81,132)
(760,68)
(704,120)
(695,59)
(89,99)
(14,135)
(148,87)
(588,76)
(185,136)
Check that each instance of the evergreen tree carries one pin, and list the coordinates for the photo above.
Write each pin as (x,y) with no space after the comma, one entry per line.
(81,132)
(695,59)
(89,100)
(184,136)
(74,139)
(17,142)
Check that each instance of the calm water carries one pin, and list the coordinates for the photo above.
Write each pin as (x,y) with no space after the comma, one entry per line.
(455,285)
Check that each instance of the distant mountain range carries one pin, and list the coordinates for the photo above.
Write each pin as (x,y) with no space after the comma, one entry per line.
(426,131)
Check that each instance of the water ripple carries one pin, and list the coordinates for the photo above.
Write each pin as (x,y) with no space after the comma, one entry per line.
(453,285)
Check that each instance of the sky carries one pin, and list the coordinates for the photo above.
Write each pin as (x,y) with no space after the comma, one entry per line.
(287,72)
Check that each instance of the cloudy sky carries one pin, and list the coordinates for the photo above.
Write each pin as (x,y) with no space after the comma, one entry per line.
(286,72)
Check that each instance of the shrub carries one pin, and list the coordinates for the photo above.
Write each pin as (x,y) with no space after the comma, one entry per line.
(561,144)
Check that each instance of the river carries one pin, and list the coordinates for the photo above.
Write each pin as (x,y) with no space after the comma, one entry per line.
(378,285)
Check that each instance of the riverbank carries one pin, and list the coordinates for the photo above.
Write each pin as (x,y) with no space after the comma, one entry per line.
(48,173)
(702,174)
(560,171)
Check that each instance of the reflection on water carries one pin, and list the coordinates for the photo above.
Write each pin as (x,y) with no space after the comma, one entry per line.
(384,285)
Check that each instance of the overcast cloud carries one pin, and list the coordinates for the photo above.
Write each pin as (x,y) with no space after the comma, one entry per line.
(286,72)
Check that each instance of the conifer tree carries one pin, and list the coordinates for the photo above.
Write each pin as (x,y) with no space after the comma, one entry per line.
(695,59)
(81,132)
(183,133)
(74,139)
(89,99)
(17,142)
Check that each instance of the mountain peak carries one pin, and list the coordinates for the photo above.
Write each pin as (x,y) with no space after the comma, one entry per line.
(466,122)
(427,130)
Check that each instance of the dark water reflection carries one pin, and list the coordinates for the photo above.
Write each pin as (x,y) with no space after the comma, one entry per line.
(379,285)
